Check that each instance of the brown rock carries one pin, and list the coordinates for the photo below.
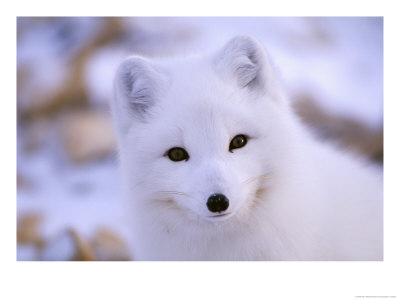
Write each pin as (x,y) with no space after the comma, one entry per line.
(38,99)
(28,229)
(84,250)
(350,133)
(87,136)
(23,182)
(67,246)
(108,246)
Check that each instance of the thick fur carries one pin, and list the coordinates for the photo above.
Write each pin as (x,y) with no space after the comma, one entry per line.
(291,197)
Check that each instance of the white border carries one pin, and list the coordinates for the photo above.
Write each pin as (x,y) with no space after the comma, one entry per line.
(199,280)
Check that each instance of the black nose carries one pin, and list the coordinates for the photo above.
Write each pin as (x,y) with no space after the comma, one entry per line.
(217,203)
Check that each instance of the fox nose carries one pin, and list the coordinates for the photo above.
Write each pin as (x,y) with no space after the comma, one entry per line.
(217,203)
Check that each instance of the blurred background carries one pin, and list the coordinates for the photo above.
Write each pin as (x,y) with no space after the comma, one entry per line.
(69,202)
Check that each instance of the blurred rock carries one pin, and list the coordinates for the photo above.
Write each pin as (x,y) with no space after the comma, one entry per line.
(87,135)
(28,229)
(84,251)
(36,134)
(47,85)
(108,246)
(67,246)
(306,34)
(351,134)
(155,36)
(23,182)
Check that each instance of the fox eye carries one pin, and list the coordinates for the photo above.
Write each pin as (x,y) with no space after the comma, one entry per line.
(177,154)
(238,141)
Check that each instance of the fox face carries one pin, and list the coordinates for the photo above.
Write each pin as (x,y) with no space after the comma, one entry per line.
(196,134)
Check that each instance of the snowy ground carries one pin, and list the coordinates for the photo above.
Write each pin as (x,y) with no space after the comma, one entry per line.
(337,60)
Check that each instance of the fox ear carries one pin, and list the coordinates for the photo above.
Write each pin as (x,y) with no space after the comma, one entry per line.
(244,59)
(137,85)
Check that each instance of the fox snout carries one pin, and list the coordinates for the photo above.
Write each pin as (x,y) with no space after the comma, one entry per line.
(217,203)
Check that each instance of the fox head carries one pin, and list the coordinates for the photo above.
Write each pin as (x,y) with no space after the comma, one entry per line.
(197,134)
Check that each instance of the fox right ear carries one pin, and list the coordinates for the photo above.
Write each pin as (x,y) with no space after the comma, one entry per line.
(244,59)
(137,85)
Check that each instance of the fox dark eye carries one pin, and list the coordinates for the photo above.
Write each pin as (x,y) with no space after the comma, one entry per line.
(177,154)
(238,141)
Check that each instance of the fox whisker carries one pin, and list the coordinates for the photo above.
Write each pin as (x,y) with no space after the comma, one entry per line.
(172,193)
(252,179)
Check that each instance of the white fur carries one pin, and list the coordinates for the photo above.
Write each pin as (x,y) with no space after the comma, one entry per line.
(314,202)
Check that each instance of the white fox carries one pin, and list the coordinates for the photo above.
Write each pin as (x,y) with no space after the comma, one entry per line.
(216,166)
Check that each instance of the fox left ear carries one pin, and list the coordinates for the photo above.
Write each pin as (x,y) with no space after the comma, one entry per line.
(245,59)
(138,84)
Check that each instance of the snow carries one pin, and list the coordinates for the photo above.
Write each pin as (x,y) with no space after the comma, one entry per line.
(339,61)
(85,197)
(99,74)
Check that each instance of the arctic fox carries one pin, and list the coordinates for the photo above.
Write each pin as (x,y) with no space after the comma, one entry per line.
(216,166)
